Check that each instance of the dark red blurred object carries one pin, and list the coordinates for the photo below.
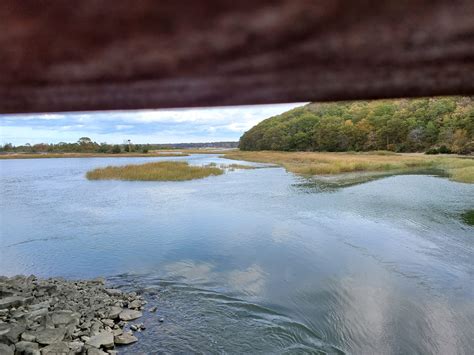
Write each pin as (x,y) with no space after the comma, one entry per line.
(97,55)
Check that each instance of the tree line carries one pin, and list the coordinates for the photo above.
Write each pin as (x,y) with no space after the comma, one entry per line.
(87,145)
(432,125)
(83,145)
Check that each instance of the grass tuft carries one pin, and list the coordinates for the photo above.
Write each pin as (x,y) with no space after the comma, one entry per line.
(155,171)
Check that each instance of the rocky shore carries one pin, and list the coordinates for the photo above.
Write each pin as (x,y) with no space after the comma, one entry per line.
(58,316)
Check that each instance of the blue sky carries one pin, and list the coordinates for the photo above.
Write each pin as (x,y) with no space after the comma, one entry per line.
(142,126)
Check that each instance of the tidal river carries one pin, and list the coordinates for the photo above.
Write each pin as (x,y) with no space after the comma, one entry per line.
(255,261)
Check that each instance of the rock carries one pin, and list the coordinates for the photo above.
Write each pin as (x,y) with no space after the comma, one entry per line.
(113,292)
(114,312)
(161,320)
(37,306)
(129,314)
(134,327)
(153,309)
(50,336)
(125,339)
(47,322)
(12,301)
(95,328)
(135,304)
(95,351)
(76,347)
(64,318)
(105,339)
(4,328)
(86,325)
(26,347)
(142,326)
(117,331)
(59,348)
(112,352)
(6,350)
(37,313)
(108,322)
(28,336)
(13,334)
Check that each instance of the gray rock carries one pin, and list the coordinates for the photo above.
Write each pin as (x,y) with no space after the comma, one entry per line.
(59,348)
(28,336)
(76,347)
(125,339)
(37,313)
(135,304)
(108,322)
(64,318)
(6,350)
(40,305)
(117,331)
(95,351)
(113,292)
(4,328)
(134,327)
(153,309)
(129,314)
(114,312)
(12,301)
(13,334)
(105,339)
(26,346)
(50,336)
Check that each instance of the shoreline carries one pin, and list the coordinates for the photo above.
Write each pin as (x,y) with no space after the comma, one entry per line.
(59,316)
(89,155)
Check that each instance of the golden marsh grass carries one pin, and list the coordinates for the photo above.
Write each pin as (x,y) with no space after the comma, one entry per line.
(321,163)
(155,171)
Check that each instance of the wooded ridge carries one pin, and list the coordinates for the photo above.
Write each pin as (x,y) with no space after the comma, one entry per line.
(432,125)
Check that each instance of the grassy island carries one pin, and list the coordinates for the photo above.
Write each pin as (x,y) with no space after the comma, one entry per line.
(155,171)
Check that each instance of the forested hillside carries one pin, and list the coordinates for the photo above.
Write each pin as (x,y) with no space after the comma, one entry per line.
(442,124)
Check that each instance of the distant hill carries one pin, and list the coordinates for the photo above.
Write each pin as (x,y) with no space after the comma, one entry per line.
(195,145)
(440,124)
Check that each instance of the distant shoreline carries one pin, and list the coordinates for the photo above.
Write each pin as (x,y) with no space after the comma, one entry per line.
(90,155)
(151,154)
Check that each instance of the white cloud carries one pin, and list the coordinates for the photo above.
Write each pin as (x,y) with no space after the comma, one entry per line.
(142,126)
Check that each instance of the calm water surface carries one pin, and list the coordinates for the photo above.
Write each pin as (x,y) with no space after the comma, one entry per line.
(255,261)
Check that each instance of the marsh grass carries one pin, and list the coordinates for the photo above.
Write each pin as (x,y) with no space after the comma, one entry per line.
(155,171)
(316,163)
(468,217)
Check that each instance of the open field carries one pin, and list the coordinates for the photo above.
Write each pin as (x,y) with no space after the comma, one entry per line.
(317,163)
(155,171)
(91,155)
